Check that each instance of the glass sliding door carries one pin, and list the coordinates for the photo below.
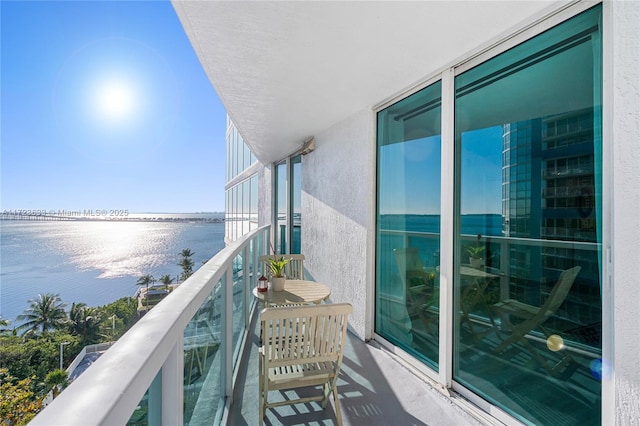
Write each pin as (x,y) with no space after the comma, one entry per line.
(281,208)
(527,314)
(296,201)
(408,224)
(288,201)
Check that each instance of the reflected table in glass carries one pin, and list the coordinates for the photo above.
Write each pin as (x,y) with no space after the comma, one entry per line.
(296,292)
(473,293)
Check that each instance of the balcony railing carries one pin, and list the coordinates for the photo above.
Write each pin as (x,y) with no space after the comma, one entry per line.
(525,266)
(173,367)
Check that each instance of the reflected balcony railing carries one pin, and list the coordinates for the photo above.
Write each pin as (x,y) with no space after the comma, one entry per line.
(178,363)
(527,269)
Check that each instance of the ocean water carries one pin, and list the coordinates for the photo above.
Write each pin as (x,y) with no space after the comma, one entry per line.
(94,262)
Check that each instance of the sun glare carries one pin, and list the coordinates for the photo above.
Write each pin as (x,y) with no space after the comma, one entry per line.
(116,100)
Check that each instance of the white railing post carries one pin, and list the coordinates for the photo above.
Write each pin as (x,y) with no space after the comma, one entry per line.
(173,385)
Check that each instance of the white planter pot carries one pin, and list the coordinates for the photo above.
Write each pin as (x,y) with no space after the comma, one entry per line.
(476,262)
(277,283)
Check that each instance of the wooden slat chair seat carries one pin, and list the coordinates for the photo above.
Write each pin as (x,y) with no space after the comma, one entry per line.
(302,346)
(532,317)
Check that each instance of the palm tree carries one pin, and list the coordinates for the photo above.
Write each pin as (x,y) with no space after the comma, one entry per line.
(56,381)
(186,252)
(166,280)
(4,323)
(146,280)
(86,322)
(186,263)
(43,314)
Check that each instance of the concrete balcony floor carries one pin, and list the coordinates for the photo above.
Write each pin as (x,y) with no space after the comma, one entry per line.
(374,389)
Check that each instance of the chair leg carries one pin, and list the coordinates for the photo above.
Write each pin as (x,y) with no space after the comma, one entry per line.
(326,391)
(517,333)
(261,395)
(336,402)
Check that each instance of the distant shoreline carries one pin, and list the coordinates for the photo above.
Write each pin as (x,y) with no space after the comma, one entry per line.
(51,218)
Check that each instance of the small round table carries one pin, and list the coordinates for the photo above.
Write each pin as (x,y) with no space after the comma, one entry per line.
(295,292)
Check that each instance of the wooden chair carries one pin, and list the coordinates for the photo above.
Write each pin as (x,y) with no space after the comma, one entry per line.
(302,346)
(294,270)
(420,294)
(531,317)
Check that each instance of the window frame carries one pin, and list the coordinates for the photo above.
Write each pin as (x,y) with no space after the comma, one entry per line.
(552,17)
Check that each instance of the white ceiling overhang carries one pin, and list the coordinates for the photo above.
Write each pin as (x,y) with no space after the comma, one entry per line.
(286,71)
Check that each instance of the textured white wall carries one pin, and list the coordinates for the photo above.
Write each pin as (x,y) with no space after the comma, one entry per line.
(336,186)
(625,114)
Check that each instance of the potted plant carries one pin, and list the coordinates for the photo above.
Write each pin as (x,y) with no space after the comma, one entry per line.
(475,253)
(276,268)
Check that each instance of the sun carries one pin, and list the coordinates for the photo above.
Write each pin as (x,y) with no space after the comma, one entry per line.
(115,100)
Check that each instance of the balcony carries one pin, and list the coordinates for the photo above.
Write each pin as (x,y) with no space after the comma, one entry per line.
(193,360)
(375,387)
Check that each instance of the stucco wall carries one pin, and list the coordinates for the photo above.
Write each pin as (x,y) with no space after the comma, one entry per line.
(625,116)
(336,211)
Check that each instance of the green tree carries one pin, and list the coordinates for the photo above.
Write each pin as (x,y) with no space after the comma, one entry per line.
(4,326)
(186,252)
(18,402)
(186,263)
(86,322)
(33,355)
(45,313)
(56,381)
(146,280)
(125,310)
(166,280)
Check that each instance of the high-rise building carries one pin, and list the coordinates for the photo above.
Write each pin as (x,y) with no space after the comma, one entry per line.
(549,189)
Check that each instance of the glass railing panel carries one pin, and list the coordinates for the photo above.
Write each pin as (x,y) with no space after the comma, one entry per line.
(140,416)
(203,368)
(149,410)
(238,308)
(253,267)
(205,374)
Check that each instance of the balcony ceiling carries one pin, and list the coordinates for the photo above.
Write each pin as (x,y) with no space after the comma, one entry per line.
(286,71)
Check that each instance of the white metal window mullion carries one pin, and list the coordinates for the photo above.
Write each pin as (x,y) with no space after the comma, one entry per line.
(608,147)
(289,199)
(274,208)
(447,217)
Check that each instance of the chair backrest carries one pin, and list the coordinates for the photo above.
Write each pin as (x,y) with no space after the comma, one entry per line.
(294,269)
(304,334)
(408,259)
(560,291)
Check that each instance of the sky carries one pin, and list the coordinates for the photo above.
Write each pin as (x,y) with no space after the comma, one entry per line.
(414,166)
(104,105)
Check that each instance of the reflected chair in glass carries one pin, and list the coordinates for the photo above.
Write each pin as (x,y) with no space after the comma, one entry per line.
(302,346)
(530,318)
(293,270)
(419,284)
